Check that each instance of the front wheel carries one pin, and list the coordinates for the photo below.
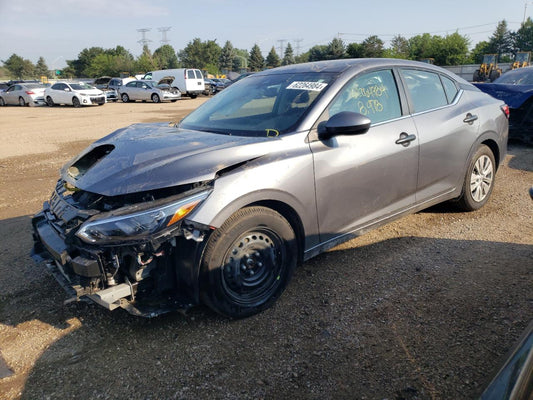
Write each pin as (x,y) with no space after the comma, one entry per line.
(76,102)
(2,102)
(49,101)
(155,98)
(479,180)
(125,98)
(248,262)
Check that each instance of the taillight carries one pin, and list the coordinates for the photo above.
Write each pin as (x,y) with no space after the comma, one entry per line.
(29,92)
(505,109)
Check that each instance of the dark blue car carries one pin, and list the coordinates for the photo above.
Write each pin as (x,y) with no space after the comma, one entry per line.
(516,89)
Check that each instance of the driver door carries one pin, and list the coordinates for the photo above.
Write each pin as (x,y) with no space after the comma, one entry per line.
(362,179)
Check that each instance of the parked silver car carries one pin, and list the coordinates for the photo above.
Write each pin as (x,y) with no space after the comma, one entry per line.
(274,170)
(23,94)
(149,91)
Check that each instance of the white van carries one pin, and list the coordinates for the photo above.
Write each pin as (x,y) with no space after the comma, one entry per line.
(189,81)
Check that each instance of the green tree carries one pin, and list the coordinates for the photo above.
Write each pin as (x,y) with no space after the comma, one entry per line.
(399,47)
(336,49)
(240,60)
(41,69)
(452,50)
(476,55)
(84,60)
(355,50)
(420,46)
(145,62)
(165,57)
(226,57)
(373,47)
(501,42)
(198,54)
(272,60)
(288,57)
(19,67)
(257,62)
(524,36)
(318,53)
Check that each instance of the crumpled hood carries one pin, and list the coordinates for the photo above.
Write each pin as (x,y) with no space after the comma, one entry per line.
(513,95)
(153,156)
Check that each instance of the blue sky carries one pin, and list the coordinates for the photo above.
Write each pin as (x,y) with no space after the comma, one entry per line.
(59,29)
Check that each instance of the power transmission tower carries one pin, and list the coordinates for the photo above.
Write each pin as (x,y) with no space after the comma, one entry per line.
(144,41)
(164,31)
(281,42)
(298,41)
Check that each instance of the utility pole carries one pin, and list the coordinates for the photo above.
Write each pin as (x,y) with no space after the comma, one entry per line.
(144,41)
(525,10)
(164,31)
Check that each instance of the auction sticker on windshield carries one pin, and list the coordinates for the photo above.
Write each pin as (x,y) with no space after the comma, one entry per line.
(312,86)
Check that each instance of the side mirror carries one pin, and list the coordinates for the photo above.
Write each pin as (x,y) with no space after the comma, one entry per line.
(343,123)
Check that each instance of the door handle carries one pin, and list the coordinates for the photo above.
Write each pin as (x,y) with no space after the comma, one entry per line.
(470,118)
(405,139)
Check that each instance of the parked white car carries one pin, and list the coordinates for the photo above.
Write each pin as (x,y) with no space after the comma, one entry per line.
(149,91)
(23,94)
(77,94)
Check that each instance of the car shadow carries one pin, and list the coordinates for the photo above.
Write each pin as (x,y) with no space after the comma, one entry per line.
(368,319)
(521,157)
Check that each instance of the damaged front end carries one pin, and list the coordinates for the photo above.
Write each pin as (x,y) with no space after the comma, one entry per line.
(134,251)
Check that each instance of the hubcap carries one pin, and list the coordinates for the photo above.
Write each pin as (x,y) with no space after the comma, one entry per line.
(252,266)
(481,178)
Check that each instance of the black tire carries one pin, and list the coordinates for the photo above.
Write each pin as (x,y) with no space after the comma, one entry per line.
(125,98)
(495,74)
(479,180)
(155,98)
(173,101)
(193,96)
(248,262)
(2,102)
(49,101)
(477,76)
(22,102)
(76,102)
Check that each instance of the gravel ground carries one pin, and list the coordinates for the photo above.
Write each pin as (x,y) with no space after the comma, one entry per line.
(424,308)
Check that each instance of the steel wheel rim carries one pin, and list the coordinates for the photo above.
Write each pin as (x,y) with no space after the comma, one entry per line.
(481,178)
(252,267)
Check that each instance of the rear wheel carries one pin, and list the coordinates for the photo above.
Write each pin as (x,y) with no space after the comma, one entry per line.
(76,102)
(479,180)
(248,262)
(22,102)
(125,98)
(193,95)
(49,101)
(155,98)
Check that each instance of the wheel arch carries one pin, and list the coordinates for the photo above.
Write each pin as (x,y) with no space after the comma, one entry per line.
(493,146)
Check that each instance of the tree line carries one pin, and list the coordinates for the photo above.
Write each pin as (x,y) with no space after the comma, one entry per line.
(451,49)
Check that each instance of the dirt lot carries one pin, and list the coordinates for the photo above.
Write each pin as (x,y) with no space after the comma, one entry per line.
(424,308)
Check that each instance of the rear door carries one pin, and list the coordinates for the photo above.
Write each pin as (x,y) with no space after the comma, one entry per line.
(446,131)
(361,179)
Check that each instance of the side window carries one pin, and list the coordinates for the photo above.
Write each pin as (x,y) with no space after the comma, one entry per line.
(373,94)
(449,88)
(190,74)
(199,74)
(425,89)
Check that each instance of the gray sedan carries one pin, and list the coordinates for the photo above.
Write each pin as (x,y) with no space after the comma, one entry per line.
(274,170)
(23,94)
(148,91)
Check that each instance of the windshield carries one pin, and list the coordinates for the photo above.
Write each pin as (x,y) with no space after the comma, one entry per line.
(260,105)
(523,76)
(80,86)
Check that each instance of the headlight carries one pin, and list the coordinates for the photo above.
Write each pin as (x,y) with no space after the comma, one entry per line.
(138,225)
(84,94)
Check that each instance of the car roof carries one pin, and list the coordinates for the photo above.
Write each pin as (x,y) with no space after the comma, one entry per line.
(356,64)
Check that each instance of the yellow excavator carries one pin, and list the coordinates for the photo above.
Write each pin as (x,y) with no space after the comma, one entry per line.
(521,60)
(488,70)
